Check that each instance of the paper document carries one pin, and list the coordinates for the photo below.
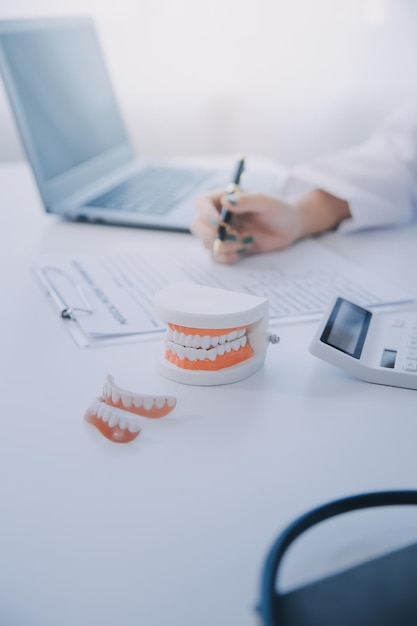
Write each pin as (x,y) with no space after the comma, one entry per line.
(110,295)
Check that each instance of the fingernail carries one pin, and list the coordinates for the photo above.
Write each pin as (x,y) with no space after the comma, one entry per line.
(213,221)
(248,239)
(230,238)
(241,251)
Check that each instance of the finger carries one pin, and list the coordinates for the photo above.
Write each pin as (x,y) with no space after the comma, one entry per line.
(203,231)
(206,224)
(211,199)
(241,203)
(231,256)
(231,251)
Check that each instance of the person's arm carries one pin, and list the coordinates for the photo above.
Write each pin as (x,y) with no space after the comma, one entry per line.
(320,211)
(377,178)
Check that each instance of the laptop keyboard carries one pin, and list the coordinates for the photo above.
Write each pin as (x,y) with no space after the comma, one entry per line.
(154,190)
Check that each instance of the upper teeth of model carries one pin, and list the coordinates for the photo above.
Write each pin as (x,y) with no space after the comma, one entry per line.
(202,347)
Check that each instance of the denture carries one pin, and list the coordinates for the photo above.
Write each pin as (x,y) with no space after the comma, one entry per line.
(116,413)
(138,404)
(116,425)
(213,336)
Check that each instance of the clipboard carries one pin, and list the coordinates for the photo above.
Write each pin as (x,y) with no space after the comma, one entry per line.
(73,304)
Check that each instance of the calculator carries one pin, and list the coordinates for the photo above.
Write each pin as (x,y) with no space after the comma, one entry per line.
(378,347)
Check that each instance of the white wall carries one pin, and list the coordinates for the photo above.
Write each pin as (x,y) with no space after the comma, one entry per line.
(283,78)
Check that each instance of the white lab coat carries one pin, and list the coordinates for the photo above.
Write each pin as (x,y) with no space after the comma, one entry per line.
(378,178)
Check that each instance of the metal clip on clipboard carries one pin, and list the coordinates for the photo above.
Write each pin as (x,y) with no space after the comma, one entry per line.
(69,298)
(67,310)
(82,316)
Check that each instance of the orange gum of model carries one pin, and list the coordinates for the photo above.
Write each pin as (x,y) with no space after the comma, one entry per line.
(228,359)
(212,332)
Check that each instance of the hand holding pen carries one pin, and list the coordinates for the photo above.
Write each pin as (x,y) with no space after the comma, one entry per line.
(236,224)
(225,214)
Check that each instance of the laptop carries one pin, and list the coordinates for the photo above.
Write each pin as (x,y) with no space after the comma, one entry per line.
(74,136)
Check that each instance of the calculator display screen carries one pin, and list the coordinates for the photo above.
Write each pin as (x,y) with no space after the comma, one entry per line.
(347,327)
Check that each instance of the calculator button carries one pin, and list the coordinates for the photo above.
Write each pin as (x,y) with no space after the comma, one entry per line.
(412,353)
(412,343)
(410,366)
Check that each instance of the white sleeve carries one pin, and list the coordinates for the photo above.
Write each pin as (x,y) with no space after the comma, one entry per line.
(378,178)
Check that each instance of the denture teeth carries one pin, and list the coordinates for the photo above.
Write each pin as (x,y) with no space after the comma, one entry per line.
(123,423)
(105,414)
(192,354)
(137,401)
(115,396)
(126,401)
(196,342)
(148,403)
(113,420)
(212,354)
(133,427)
(221,349)
(199,347)
(117,407)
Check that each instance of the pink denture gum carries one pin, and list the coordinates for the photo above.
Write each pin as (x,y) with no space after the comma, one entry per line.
(116,414)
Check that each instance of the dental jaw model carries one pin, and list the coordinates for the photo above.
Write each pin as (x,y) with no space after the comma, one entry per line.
(214,336)
(116,414)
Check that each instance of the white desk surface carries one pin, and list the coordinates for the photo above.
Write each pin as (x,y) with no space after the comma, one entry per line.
(173,528)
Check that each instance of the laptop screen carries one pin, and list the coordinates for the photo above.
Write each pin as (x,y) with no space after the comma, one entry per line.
(65,96)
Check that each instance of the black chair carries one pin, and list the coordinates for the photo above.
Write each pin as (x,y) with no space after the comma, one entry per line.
(380,592)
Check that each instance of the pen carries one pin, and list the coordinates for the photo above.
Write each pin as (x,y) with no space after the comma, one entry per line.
(225,215)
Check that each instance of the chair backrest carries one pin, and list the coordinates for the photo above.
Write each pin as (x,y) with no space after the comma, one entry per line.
(380,592)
